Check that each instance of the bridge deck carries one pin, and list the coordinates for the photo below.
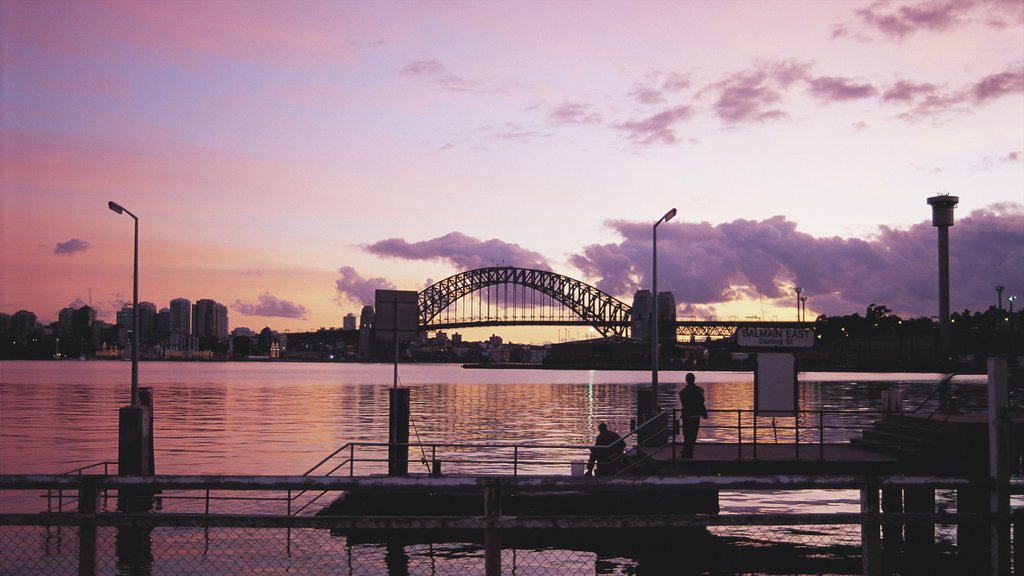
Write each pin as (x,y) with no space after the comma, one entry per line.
(786,458)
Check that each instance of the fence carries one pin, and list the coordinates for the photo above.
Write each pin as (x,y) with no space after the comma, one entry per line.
(95,540)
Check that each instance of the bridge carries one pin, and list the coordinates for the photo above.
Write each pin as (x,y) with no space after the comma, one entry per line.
(510,296)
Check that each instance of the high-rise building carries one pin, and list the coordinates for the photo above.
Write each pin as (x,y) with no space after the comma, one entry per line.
(65,321)
(209,319)
(349,322)
(147,321)
(181,316)
(163,321)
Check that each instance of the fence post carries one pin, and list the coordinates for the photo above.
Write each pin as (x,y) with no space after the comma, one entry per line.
(88,500)
(870,540)
(999,466)
(492,535)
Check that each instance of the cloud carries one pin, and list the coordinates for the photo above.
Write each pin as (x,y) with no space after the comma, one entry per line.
(997,85)
(706,265)
(424,67)
(71,246)
(462,251)
(436,73)
(833,89)
(1014,156)
(270,305)
(573,113)
(353,287)
(906,91)
(924,99)
(909,18)
(659,128)
(752,96)
(647,95)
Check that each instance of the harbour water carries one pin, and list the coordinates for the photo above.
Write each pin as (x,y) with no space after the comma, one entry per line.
(282,418)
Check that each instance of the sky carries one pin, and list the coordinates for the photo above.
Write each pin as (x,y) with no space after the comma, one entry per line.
(288,158)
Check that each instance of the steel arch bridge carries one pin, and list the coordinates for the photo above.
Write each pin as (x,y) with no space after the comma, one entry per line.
(588,305)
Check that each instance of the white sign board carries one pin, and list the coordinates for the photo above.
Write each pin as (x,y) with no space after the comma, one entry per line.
(763,336)
(775,384)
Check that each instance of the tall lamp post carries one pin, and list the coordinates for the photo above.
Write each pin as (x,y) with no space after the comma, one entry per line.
(135,304)
(799,292)
(654,320)
(999,290)
(1011,300)
(803,305)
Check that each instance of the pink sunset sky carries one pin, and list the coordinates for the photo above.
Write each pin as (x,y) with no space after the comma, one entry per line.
(288,158)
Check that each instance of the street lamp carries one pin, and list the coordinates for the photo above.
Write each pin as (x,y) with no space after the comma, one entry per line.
(654,320)
(1011,300)
(803,304)
(799,292)
(999,290)
(135,304)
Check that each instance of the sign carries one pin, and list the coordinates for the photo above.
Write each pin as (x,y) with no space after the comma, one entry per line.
(775,389)
(775,337)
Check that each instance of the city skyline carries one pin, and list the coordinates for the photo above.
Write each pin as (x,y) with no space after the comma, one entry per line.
(287,159)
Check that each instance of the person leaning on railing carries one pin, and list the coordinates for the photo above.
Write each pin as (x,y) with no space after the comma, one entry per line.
(606,453)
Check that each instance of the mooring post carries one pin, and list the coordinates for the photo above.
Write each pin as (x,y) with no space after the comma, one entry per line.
(398,444)
(999,466)
(892,530)
(88,504)
(492,534)
(871,544)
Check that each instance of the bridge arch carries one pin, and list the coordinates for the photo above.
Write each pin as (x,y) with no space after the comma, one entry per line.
(607,314)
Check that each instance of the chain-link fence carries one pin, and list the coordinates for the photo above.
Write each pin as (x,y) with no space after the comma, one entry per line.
(125,550)
(181,537)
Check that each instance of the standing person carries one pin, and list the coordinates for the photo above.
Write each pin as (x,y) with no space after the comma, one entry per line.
(607,451)
(691,400)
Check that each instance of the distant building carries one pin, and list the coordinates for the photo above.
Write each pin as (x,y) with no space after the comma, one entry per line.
(65,321)
(23,321)
(349,322)
(147,321)
(181,316)
(210,320)
(366,317)
(163,322)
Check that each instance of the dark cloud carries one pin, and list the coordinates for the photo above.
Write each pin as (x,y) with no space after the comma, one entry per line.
(753,95)
(462,251)
(706,265)
(1014,156)
(574,113)
(659,128)
(833,89)
(353,287)
(71,246)
(998,85)
(270,305)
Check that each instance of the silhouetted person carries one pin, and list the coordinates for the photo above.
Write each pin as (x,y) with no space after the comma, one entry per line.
(691,399)
(606,453)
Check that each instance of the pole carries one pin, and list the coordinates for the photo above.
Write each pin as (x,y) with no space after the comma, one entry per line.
(654,314)
(135,317)
(944,348)
(654,318)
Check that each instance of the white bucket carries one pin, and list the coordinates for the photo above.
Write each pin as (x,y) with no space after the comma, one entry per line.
(576,468)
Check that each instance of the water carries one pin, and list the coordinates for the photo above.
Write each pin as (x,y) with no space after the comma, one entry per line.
(282,418)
